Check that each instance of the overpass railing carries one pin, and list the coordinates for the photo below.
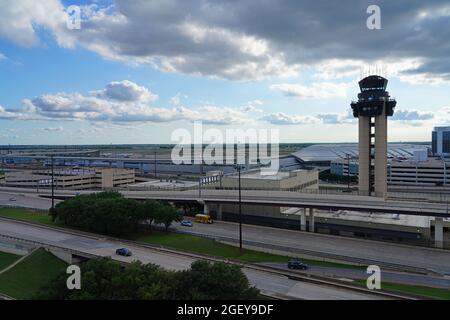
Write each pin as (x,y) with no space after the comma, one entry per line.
(442,197)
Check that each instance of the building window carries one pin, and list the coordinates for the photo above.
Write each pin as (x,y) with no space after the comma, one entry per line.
(446,142)
(434,142)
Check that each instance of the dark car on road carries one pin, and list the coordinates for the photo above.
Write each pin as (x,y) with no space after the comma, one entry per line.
(297,264)
(123,252)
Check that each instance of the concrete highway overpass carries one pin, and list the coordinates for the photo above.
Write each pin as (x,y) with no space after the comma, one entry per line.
(87,245)
(287,199)
(317,245)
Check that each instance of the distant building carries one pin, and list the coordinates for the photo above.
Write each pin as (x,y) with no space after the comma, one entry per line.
(440,141)
(71,179)
(431,172)
(282,180)
(324,154)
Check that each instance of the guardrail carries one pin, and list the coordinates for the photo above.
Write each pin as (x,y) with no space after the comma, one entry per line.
(296,276)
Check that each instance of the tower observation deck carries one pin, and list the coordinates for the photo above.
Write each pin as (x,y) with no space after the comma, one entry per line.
(373,107)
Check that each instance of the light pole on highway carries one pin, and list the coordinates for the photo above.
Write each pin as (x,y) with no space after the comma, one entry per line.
(53,182)
(155,165)
(240,207)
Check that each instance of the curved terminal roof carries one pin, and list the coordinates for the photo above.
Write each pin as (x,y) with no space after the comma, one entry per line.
(333,152)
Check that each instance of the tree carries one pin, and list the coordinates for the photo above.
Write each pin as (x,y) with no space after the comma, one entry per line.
(105,279)
(166,215)
(110,213)
(215,281)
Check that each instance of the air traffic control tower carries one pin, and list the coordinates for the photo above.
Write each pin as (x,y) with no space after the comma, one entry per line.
(372,109)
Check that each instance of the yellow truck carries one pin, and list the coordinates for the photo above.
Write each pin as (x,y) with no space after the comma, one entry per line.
(203,218)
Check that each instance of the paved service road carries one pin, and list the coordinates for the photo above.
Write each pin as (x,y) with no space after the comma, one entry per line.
(436,260)
(270,283)
(25,200)
(387,276)
(429,258)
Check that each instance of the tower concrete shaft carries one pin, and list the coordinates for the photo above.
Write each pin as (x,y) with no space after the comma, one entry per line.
(372,109)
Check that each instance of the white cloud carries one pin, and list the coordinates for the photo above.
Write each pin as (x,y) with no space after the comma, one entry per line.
(281,118)
(127,91)
(252,106)
(317,90)
(53,129)
(244,40)
(412,115)
(19,21)
(119,102)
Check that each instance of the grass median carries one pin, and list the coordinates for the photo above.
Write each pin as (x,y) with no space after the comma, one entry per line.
(26,278)
(182,242)
(7,259)
(422,291)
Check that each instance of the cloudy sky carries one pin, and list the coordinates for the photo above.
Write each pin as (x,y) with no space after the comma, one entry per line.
(135,71)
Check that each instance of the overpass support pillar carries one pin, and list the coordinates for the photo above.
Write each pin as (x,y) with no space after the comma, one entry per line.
(303,219)
(206,208)
(219,212)
(311,219)
(438,232)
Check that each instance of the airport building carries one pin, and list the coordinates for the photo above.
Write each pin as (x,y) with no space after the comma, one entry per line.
(440,141)
(283,180)
(422,171)
(81,179)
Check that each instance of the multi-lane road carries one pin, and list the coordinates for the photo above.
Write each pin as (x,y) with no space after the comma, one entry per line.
(295,241)
(269,283)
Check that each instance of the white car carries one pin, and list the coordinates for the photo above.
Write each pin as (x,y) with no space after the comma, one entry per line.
(12,199)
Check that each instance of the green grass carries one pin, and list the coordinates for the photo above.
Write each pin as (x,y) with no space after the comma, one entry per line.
(184,242)
(28,276)
(26,215)
(211,247)
(426,292)
(6,259)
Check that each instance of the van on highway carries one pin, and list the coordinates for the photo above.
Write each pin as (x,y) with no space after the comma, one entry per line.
(203,218)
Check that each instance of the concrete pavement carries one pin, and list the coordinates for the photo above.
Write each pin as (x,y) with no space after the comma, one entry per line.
(270,283)
(412,256)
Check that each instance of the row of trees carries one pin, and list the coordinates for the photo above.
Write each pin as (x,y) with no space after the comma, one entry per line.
(104,279)
(112,214)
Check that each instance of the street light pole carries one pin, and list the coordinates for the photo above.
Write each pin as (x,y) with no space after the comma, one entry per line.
(53,182)
(348,171)
(240,209)
(155,165)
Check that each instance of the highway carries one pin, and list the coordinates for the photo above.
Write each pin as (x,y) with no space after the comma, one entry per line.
(273,284)
(288,199)
(275,198)
(386,276)
(25,200)
(428,258)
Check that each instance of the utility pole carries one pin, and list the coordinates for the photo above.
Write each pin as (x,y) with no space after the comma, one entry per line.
(53,182)
(155,165)
(348,172)
(240,208)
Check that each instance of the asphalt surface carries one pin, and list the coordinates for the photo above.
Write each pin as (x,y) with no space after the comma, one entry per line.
(267,282)
(387,276)
(436,260)
(25,200)
(428,258)
(283,198)
(290,199)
